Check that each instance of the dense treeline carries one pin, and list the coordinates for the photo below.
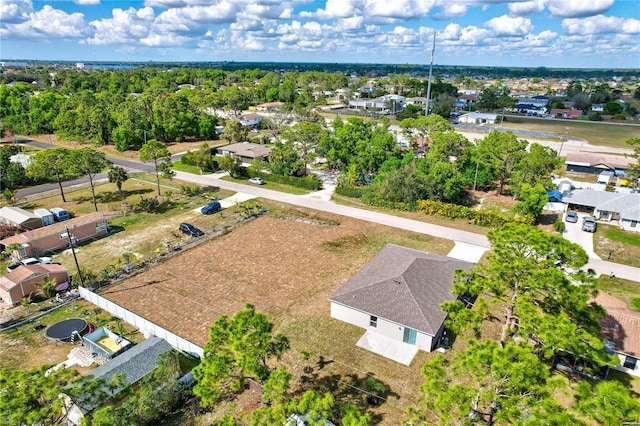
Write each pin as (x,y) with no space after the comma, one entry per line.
(127,107)
(419,70)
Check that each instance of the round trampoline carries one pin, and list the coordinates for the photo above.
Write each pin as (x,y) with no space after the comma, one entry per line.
(63,330)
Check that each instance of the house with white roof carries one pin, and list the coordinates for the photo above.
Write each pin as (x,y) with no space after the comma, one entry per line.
(608,206)
(478,118)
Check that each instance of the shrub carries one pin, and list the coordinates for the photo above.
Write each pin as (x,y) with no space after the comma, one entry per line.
(349,191)
(559,226)
(476,217)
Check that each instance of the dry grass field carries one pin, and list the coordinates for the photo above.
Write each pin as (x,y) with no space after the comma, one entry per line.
(286,263)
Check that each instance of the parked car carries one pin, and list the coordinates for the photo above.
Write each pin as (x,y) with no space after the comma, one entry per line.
(29,261)
(571,217)
(189,229)
(589,224)
(257,180)
(212,207)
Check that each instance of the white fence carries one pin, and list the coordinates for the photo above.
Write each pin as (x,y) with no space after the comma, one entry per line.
(145,326)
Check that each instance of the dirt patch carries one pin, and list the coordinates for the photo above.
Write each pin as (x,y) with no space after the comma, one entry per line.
(287,268)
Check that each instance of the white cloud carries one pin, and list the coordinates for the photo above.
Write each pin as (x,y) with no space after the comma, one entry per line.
(14,11)
(396,9)
(49,23)
(335,9)
(87,2)
(578,8)
(125,26)
(601,25)
(526,8)
(507,26)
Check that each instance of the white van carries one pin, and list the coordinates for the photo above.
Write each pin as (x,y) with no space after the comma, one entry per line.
(60,214)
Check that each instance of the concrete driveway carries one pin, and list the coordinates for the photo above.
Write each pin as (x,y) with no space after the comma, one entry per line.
(574,233)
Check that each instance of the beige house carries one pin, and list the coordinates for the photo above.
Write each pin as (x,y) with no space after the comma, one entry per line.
(54,237)
(24,280)
(270,106)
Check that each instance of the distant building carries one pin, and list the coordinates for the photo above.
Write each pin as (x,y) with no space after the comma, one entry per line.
(566,113)
(478,118)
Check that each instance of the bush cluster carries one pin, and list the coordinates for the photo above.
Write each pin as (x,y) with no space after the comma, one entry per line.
(477,217)
(349,191)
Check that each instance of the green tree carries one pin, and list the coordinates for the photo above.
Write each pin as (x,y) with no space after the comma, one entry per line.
(48,162)
(230,163)
(502,152)
(238,349)
(31,396)
(532,201)
(537,278)
(284,159)
(608,402)
(305,136)
(234,131)
(634,168)
(118,175)
(536,167)
(157,152)
(87,161)
(486,384)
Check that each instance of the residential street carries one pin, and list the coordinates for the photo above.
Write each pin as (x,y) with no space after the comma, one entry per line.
(317,202)
(321,201)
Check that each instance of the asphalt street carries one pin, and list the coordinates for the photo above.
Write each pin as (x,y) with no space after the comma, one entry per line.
(321,201)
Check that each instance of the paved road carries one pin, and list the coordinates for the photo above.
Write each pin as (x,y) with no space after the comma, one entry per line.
(316,201)
(319,201)
(129,165)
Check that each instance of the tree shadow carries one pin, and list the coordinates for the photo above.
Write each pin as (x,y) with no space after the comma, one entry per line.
(348,389)
(112,196)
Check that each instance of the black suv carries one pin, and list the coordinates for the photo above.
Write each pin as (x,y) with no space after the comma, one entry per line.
(189,229)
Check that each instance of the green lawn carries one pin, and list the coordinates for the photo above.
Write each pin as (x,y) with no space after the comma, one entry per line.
(625,290)
(612,243)
(181,167)
(612,135)
(281,187)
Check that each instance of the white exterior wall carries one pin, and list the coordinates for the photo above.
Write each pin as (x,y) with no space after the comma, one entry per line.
(385,327)
(635,372)
(627,225)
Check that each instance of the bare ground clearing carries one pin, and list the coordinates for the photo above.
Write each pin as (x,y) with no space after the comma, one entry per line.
(287,266)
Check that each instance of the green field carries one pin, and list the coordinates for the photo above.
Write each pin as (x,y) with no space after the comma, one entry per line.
(597,133)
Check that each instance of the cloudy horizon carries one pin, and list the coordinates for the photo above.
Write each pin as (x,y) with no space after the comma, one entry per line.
(532,33)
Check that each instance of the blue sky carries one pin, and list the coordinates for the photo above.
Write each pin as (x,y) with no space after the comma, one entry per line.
(531,33)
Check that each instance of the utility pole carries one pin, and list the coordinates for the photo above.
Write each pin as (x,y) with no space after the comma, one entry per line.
(433,49)
(73,251)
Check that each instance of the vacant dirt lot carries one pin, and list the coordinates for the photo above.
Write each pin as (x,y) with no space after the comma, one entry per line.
(286,263)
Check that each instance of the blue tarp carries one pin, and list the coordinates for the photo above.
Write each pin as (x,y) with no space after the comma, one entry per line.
(554,196)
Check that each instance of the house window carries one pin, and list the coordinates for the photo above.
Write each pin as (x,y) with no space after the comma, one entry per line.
(630,362)
(409,336)
(373,321)
(22,250)
(634,223)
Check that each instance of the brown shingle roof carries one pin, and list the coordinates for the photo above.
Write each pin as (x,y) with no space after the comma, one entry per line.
(403,285)
(56,228)
(24,272)
(621,325)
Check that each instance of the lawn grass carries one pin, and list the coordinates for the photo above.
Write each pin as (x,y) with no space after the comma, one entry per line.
(275,186)
(188,168)
(24,347)
(616,245)
(603,134)
(625,290)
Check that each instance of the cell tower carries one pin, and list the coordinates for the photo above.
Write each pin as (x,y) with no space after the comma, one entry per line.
(433,49)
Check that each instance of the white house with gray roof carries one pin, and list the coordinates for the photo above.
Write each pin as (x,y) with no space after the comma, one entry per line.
(396,298)
(608,206)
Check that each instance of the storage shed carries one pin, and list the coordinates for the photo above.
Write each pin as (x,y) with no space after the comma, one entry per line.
(45,215)
(20,217)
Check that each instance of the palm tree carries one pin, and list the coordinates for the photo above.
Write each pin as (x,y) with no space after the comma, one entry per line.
(118,175)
